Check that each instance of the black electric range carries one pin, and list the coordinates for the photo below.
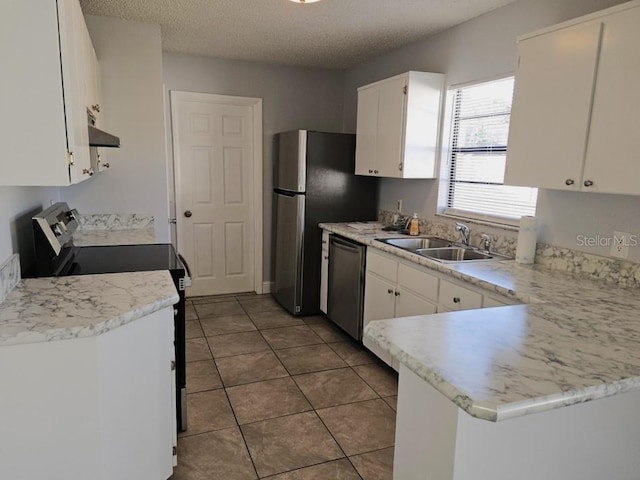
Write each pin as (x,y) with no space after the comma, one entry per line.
(56,255)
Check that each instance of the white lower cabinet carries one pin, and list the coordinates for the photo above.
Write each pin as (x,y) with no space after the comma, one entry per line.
(396,288)
(100,407)
(387,294)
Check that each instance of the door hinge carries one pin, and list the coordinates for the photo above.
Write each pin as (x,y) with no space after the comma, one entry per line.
(400,166)
(405,89)
(70,160)
(173,365)
(174,451)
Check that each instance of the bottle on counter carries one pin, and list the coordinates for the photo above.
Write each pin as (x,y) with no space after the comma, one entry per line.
(414,225)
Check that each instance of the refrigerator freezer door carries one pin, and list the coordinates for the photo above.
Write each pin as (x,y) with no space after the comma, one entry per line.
(291,165)
(289,246)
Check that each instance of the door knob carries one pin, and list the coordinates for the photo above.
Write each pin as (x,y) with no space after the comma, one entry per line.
(188,213)
(568,181)
(588,183)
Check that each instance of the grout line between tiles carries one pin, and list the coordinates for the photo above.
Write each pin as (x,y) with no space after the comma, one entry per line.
(292,377)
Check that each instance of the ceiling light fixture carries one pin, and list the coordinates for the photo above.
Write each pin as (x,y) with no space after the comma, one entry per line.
(304,1)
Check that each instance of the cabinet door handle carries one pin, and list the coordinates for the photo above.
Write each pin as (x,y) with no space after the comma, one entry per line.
(456,299)
(106,165)
(87,171)
(569,181)
(326,257)
(389,291)
(375,171)
(588,183)
(95,108)
(397,294)
(370,171)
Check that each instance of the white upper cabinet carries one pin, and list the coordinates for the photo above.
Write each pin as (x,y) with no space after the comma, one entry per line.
(399,126)
(50,80)
(576,105)
(613,162)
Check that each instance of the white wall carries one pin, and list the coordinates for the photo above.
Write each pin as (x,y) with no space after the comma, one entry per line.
(480,49)
(130,56)
(293,98)
(17,204)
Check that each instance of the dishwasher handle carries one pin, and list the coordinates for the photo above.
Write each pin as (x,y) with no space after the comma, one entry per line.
(344,244)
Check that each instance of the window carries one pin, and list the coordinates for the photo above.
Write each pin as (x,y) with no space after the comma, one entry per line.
(478,148)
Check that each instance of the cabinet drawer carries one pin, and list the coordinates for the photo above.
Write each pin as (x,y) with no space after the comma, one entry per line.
(381,265)
(418,281)
(454,297)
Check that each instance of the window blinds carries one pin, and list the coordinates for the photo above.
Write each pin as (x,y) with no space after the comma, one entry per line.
(478,152)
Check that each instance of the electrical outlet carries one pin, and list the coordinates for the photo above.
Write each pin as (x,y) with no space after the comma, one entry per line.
(399,205)
(620,244)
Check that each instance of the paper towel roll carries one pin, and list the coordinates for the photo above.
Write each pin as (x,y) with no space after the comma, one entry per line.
(527,239)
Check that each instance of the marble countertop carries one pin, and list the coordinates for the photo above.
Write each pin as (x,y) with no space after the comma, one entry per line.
(133,236)
(574,341)
(61,308)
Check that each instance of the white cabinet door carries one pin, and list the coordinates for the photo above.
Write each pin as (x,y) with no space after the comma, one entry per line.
(551,107)
(391,116)
(379,299)
(409,304)
(379,304)
(74,72)
(367,130)
(612,154)
(399,126)
(418,281)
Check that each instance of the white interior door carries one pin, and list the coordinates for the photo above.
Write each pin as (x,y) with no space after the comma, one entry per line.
(214,148)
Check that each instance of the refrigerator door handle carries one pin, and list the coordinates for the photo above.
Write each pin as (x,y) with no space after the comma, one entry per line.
(286,193)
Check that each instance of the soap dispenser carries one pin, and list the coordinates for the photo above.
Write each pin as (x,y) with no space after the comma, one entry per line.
(414,225)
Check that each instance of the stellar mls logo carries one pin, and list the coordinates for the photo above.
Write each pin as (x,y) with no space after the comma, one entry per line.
(607,241)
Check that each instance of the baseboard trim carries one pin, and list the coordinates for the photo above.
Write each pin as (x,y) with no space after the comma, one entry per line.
(267,287)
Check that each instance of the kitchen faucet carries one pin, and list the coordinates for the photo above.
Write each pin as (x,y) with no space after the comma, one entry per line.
(464,233)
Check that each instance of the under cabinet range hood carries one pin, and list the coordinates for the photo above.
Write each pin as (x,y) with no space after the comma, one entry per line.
(98,138)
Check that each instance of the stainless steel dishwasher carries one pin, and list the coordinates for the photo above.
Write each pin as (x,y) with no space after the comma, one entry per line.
(345,303)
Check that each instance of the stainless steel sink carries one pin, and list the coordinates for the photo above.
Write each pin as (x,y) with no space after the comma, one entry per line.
(415,244)
(458,254)
(441,250)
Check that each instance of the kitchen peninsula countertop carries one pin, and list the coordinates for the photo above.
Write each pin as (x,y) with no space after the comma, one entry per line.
(574,341)
(61,308)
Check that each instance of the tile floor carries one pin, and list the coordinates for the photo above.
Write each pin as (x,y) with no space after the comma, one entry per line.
(281,397)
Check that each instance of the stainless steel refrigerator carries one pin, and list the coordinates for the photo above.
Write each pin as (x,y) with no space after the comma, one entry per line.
(313,182)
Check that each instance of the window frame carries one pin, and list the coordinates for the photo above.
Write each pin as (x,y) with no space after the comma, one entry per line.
(447,159)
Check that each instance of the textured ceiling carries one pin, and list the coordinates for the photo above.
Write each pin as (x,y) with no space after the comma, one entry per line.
(330,33)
